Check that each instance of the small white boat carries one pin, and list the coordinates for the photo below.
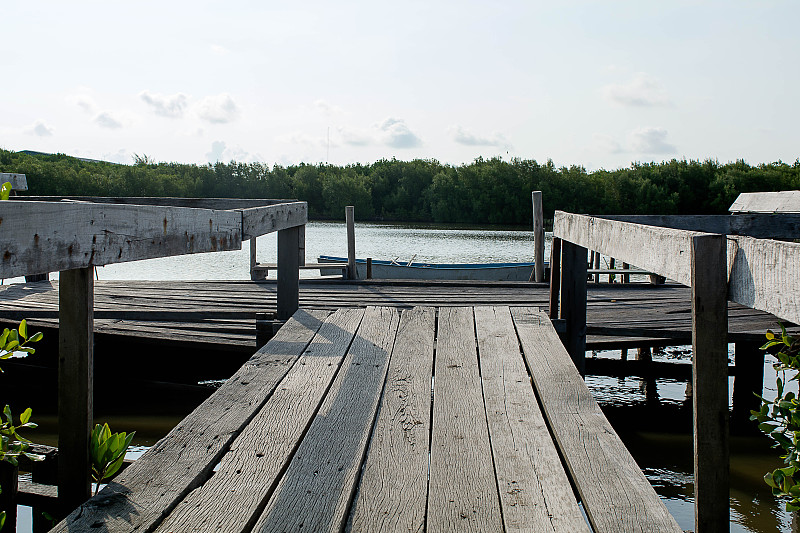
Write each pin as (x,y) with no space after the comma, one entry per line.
(383,269)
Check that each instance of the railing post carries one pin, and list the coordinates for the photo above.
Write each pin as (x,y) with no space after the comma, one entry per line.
(288,272)
(349,216)
(555,276)
(573,301)
(75,385)
(538,237)
(749,381)
(710,383)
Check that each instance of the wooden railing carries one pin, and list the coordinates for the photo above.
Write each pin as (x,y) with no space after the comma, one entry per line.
(73,235)
(721,258)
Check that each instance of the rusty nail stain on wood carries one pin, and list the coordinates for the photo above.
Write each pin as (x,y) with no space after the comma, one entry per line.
(36,239)
(165,225)
(6,256)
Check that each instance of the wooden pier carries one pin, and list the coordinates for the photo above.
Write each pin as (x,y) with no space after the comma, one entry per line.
(461,394)
(389,420)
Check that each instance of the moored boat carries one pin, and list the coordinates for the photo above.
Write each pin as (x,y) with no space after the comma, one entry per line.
(393,269)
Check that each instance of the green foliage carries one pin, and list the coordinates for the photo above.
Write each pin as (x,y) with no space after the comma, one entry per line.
(5,191)
(107,451)
(486,191)
(12,444)
(17,340)
(780,419)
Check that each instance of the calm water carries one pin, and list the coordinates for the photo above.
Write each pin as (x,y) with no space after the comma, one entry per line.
(665,457)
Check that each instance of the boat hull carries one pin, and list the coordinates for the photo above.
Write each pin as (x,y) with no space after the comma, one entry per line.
(382,269)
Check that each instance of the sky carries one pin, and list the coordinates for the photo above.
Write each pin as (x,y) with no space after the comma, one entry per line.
(599,84)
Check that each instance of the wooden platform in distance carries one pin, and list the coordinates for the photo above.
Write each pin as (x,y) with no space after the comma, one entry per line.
(337,422)
(222,314)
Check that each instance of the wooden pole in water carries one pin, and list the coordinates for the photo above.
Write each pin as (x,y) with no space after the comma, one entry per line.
(349,216)
(710,383)
(538,237)
(626,278)
(573,301)
(75,385)
(369,268)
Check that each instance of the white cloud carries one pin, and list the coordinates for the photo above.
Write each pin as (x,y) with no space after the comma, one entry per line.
(641,91)
(219,50)
(84,102)
(355,137)
(219,109)
(120,156)
(106,119)
(327,108)
(220,152)
(463,136)
(607,144)
(651,141)
(171,106)
(39,129)
(396,133)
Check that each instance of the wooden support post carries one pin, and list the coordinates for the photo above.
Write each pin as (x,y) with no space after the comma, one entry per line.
(597,266)
(255,275)
(538,237)
(75,385)
(611,264)
(288,272)
(349,216)
(369,268)
(626,278)
(573,301)
(9,481)
(749,381)
(710,383)
(555,276)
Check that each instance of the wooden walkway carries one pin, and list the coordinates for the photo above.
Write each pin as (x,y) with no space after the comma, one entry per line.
(421,419)
(222,314)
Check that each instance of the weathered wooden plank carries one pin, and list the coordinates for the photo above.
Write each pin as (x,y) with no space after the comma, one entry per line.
(760,225)
(615,493)
(315,492)
(75,386)
(631,243)
(18,181)
(197,203)
(262,220)
(462,492)
(535,493)
(46,236)
(767,202)
(147,491)
(249,472)
(393,488)
(710,384)
(763,276)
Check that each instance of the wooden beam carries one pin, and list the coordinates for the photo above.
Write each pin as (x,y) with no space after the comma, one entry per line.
(767,202)
(760,225)
(763,275)
(749,381)
(18,181)
(631,243)
(710,383)
(538,236)
(573,301)
(45,236)
(288,272)
(197,203)
(262,220)
(75,385)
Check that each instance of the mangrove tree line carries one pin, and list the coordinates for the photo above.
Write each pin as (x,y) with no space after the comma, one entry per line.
(492,191)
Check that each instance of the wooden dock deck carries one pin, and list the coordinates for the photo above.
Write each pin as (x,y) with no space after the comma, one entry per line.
(222,313)
(451,418)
